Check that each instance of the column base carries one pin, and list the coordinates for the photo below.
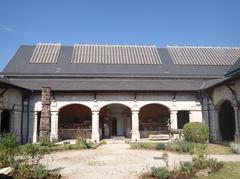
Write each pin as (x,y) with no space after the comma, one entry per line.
(135,136)
(237,138)
(54,137)
(95,138)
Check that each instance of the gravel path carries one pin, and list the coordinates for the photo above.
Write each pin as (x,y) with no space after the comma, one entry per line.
(116,161)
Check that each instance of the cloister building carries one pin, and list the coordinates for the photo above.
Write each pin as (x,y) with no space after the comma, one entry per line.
(105,91)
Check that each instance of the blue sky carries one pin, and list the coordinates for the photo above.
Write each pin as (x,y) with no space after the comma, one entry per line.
(158,22)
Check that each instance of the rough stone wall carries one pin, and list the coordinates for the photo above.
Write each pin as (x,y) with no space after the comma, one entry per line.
(46,113)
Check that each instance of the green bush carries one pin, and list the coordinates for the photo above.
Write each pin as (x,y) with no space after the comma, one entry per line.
(186,167)
(8,149)
(31,152)
(40,171)
(160,172)
(160,146)
(181,146)
(195,132)
(46,142)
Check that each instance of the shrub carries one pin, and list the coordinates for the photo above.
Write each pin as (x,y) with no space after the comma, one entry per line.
(186,167)
(160,172)
(31,152)
(195,132)
(40,171)
(46,142)
(235,147)
(160,146)
(8,149)
(180,146)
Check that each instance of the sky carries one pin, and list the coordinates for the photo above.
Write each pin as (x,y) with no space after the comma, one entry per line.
(135,22)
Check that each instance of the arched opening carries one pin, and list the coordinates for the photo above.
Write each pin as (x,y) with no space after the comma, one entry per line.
(115,120)
(5,121)
(227,121)
(153,119)
(75,120)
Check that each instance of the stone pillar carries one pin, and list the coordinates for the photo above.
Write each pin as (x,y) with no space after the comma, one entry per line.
(95,126)
(15,122)
(54,126)
(217,135)
(35,127)
(135,125)
(46,114)
(237,135)
(173,118)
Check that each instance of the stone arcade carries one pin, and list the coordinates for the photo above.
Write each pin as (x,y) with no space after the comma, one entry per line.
(106,91)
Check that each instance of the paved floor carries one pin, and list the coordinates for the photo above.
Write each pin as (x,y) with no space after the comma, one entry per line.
(116,161)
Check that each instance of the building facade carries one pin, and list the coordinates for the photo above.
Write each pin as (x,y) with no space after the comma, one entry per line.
(105,91)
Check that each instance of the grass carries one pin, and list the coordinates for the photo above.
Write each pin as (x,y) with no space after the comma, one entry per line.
(229,170)
(218,149)
(144,145)
(210,148)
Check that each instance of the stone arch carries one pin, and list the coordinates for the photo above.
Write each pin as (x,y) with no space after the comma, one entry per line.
(226,121)
(141,104)
(153,119)
(115,120)
(74,120)
(60,105)
(103,104)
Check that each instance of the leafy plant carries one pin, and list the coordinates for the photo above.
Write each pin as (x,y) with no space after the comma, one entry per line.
(186,167)
(40,171)
(195,132)
(8,149)
(160,172)
(160,146)
(46,142)
(31,153)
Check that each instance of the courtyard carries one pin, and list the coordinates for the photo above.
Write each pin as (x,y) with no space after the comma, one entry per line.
(114,161)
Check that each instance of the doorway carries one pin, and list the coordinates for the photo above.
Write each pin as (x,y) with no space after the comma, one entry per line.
(5,122)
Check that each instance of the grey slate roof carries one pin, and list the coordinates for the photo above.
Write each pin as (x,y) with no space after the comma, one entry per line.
(187,55)
(6,82)
(19,66)
(234,70)
(103,84)
(71,72)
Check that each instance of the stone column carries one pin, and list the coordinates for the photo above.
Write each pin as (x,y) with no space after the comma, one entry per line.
(135,125)
(95,126)
(46,114)
(35,127)
(54,126)
(237,135)
(216,122)
(15,122)
(173,118)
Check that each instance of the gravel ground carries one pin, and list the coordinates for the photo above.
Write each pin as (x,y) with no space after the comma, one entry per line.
(116,161)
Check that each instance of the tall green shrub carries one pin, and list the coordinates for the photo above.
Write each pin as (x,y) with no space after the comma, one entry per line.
(195,132)
(8,149)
